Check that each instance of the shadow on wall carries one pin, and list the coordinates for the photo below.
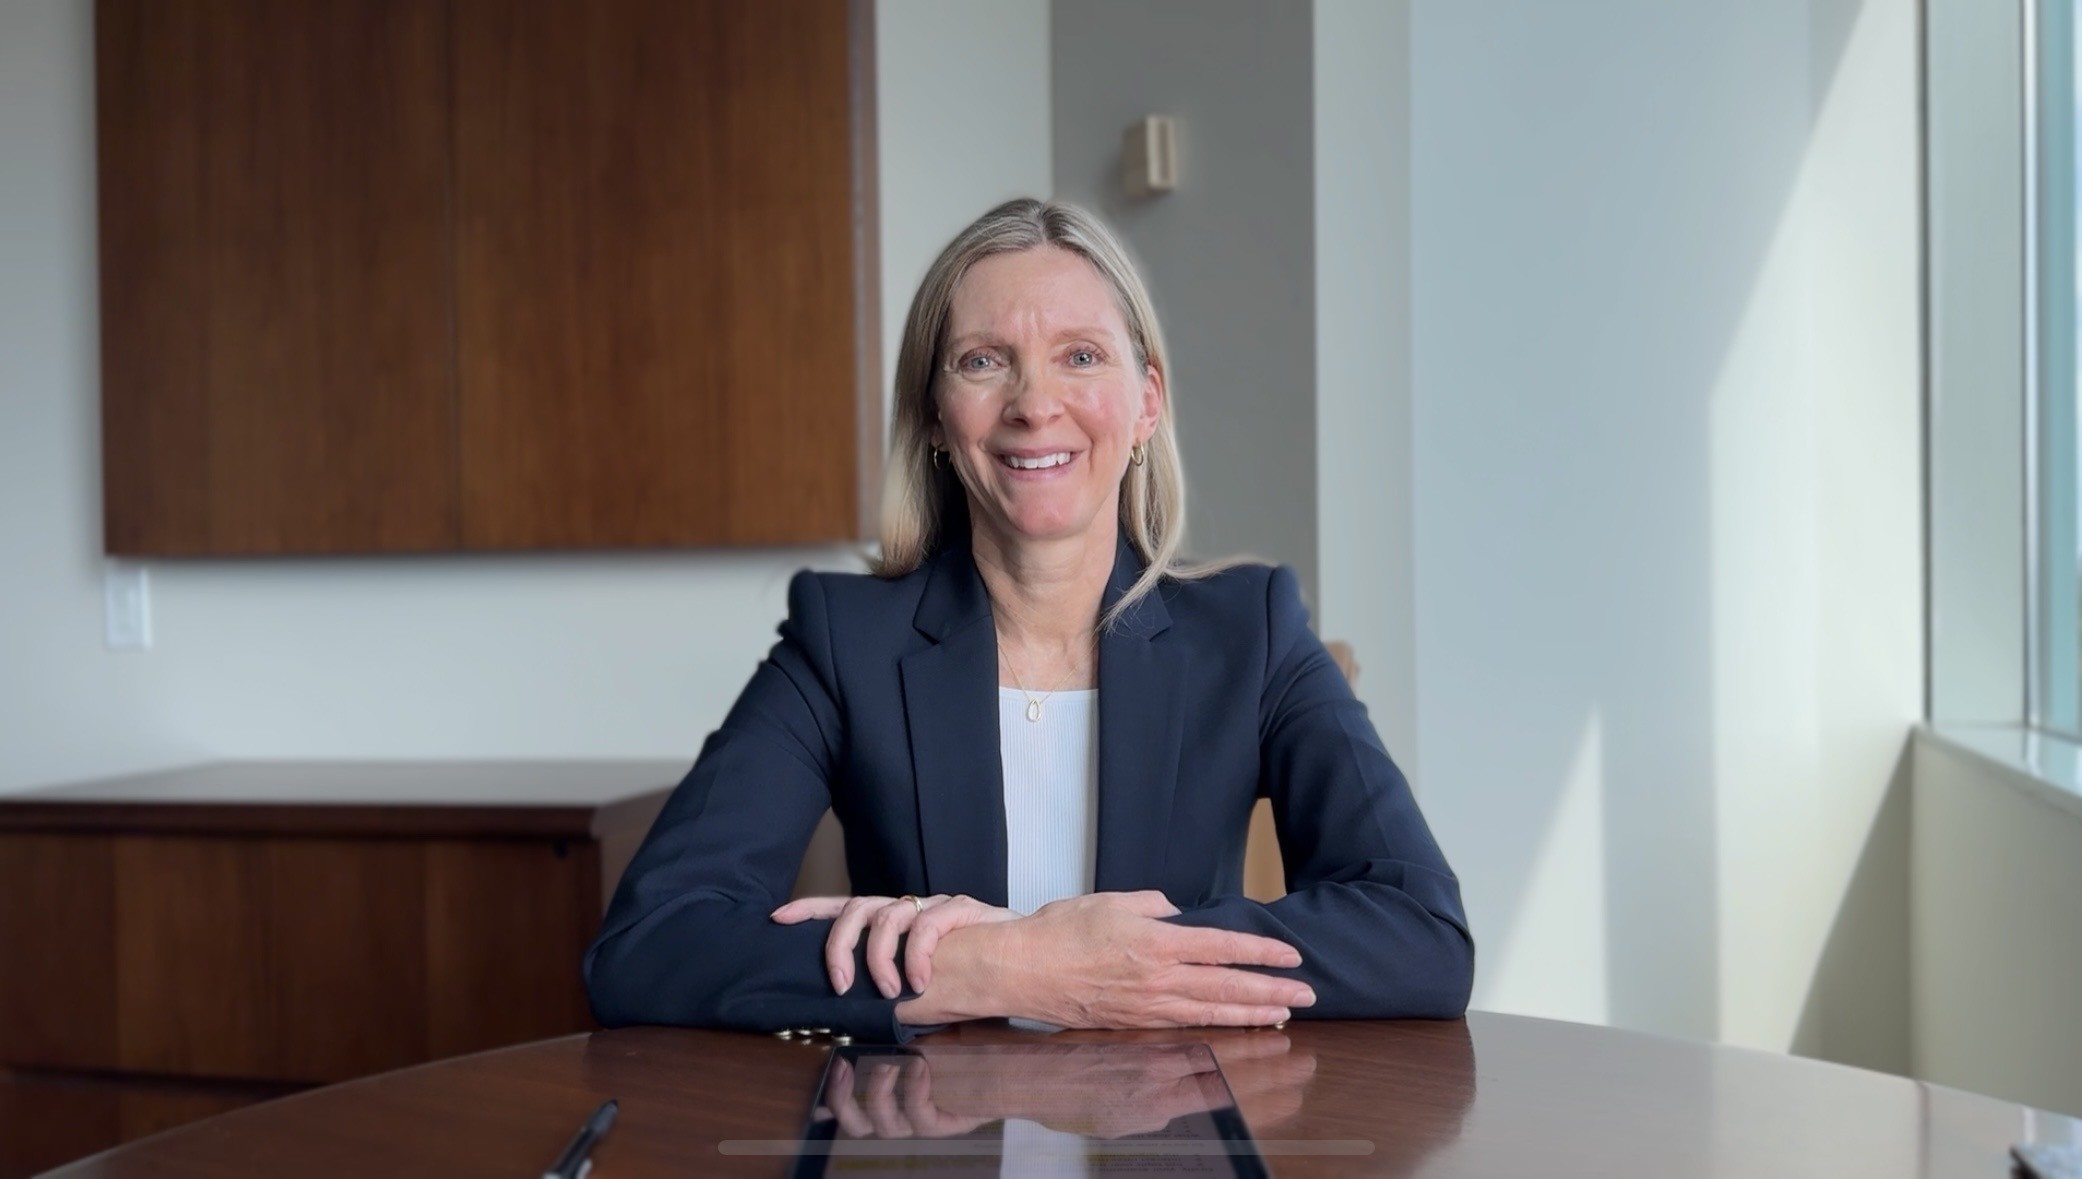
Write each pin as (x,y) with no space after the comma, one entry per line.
(1631,646)
(1857,1011)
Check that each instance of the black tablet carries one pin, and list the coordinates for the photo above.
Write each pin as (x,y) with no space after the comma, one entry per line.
(1039,1109)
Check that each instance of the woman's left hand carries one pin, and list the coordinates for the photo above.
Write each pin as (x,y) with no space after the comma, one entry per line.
(885,919)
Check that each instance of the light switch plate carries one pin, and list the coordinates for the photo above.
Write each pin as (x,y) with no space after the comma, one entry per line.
(126,594)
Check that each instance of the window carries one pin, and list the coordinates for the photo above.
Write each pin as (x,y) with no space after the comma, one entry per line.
(2052,329)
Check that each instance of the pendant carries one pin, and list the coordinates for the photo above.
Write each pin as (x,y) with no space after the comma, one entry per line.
(1033,710)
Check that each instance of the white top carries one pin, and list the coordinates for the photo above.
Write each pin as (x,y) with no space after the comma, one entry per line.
(1031,1150)
(1051,796)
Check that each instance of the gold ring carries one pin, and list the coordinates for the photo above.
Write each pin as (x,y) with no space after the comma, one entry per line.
(915,903)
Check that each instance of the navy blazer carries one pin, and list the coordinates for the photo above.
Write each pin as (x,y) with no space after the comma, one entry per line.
(880,701)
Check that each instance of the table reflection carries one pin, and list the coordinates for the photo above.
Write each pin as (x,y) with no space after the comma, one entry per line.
(1144,1104)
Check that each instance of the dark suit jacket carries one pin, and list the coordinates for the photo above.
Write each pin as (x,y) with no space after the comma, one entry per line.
(880,701)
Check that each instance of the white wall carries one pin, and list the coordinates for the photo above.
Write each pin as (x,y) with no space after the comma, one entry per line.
(632,656)
(1365,510)
(1228,256)
(65,707)
(1614,448)
(963,104)
(1667,602)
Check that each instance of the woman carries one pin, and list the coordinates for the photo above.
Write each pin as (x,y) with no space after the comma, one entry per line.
(1042,733)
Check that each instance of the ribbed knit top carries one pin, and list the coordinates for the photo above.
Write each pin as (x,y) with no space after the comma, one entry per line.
(1051,796)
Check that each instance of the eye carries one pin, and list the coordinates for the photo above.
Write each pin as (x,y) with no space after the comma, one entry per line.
(1083,358)
(977,362)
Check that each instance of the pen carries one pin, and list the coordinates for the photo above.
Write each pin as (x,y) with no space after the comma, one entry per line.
(573,1162)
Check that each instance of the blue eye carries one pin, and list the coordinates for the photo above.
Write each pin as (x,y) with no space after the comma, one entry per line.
(1083,358)
(976,362)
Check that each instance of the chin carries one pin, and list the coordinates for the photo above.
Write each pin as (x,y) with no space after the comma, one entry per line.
(1047,525)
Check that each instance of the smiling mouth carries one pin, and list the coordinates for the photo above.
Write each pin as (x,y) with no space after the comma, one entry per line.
(1039,462)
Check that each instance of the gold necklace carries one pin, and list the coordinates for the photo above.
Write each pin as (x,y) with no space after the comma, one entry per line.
(1033,703)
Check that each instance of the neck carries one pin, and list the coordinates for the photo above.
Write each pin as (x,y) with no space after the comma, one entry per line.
(1047,593)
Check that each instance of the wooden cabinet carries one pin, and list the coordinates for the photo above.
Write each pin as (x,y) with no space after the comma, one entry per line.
(657,334)
(275,295)
(440,275)
(186,942)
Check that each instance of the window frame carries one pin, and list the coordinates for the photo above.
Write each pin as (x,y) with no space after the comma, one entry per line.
(2053,582)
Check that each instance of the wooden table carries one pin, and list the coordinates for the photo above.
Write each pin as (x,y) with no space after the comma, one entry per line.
(177,944)
(1492,1096)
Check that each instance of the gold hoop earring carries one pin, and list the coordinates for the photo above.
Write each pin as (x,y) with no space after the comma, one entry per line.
(939,459)
(1139,454)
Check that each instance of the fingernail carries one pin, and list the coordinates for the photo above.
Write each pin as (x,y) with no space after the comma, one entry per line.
(888,989)
(1303,998)
(845,981)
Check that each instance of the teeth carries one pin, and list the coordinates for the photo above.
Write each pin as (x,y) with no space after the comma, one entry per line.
(1039,463)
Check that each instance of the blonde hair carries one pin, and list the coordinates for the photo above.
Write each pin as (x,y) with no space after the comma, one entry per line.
(924,506)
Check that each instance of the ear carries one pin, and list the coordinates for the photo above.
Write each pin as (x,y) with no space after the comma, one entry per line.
(1153,394)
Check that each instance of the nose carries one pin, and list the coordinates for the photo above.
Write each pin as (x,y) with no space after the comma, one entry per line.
(1032,398)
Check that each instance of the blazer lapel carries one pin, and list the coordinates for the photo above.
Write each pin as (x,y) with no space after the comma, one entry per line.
(1140,714)
(951,709)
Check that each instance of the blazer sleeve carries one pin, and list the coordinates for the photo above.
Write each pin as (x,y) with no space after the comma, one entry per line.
(688,939)
(1372,905)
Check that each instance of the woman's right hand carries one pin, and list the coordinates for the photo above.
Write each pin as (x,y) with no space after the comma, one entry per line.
(1107,960)
(883,920)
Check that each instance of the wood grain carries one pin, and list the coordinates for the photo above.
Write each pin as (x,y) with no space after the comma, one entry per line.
(155,437)
(867,269)
(506,925)
(192,987)
(1494,1095)
(47,1119)
(656,273)
(276,277)
(44,1124)
(346,957)
(143,1110)
(319,960)
(57,916)
(332,403)
(175,948)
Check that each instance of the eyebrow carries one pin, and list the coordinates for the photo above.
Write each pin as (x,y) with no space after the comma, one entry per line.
(1064,336)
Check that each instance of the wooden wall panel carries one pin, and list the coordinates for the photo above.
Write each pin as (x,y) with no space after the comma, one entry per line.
(276,272)
(57,989)
(788,263)
(506,925)
(655,273)
(332,395)
(154,392)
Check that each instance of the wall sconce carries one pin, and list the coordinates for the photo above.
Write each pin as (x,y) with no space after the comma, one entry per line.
(1149,156)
